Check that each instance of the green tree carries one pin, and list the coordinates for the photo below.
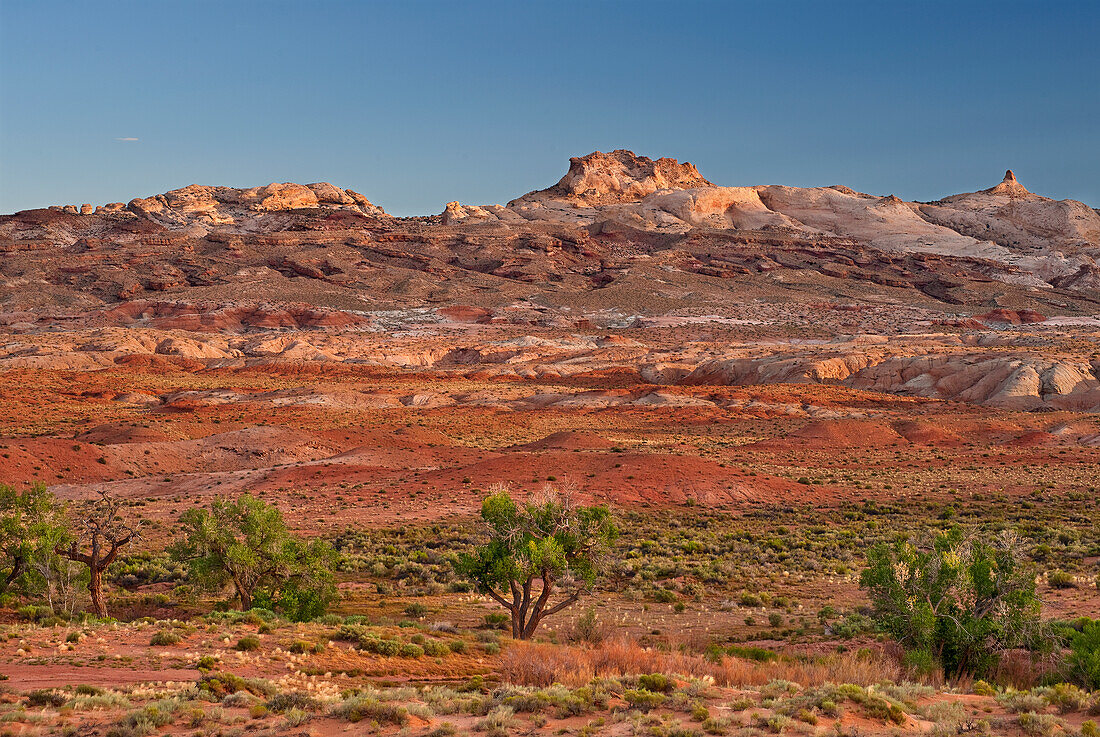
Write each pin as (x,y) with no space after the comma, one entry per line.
(31,522)
(546,545)
(245,543)
(958,602)
(1084,657)
(101,532)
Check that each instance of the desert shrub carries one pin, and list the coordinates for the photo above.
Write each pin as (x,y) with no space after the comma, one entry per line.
(497,723)
(1084,658)
(827,700)
(411,650)
(45,697)
(239,700)
(496,620)
(298,647)
(140,569)
(163,638)
(219,685)
(715,726)
(132,727)
(656,682)
(806,716)
(879,708)
(350,633)
(474,685)
(1042,725)
(357,708)
(1061,580)
(1066,697)
(296,717)
(146,720)
(587,628)
(436,648)
(207,662)
(535,700)
(960,600)
(103,700)
(664,596)
(32,613)
(982,688)
(906,693)
(779,687)
(284,702)
(944,713)
(853,625)
(642,699)
(380,646)
(1019,702)
(443,700)
(248,643)
(255,616)
(759,654)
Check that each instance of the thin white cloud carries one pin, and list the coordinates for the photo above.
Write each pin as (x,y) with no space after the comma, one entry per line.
(128,139)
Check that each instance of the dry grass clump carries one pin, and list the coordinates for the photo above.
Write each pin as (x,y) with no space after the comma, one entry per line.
(539,664)
(356,708)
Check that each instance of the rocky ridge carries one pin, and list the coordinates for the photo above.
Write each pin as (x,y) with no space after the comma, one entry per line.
(627,264)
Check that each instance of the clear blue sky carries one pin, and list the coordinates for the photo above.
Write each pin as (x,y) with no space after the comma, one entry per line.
(418,103)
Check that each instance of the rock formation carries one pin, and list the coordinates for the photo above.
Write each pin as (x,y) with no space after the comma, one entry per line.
(691,284)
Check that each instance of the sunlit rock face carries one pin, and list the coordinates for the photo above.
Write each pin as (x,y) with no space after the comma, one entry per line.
(626,264)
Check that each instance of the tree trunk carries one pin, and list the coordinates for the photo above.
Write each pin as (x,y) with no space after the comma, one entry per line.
(529,629)
(519,613)
(95,588)
(16,569)
(246,599)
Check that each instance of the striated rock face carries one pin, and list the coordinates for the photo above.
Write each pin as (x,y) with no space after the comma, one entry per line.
(1033,241)
(934,367)
(1021,238)
(615,225)
(1017,383)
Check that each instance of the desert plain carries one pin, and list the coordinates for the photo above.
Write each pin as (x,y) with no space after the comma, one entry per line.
(761,383)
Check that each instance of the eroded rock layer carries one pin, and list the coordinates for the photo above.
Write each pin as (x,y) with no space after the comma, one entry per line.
(627,266)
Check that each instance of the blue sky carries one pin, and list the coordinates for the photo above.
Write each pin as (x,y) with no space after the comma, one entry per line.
(418,103)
